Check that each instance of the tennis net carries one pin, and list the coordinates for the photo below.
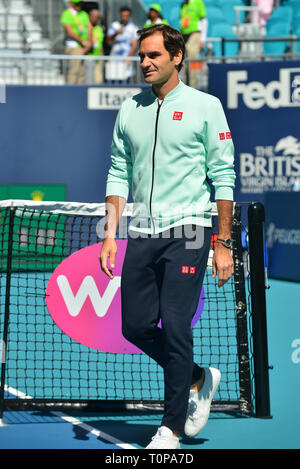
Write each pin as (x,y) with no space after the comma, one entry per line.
(44,365)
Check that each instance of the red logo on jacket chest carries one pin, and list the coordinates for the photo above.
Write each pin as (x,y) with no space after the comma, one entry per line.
(224,136)
(177,116)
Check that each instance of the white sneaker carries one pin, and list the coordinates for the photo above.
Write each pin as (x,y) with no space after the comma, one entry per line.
(199,403)
(164,439)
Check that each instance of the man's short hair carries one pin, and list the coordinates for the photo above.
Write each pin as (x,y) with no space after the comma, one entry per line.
(173,39)
(125,8)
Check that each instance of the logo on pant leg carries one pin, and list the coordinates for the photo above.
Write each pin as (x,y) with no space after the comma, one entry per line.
(185,269)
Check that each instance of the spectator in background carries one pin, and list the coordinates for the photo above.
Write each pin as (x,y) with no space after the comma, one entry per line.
(155,16)
(123,39)
(78,40)
(193,26)
(98,38)
(266,7)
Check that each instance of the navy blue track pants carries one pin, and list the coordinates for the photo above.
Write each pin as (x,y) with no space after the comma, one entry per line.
(162,279)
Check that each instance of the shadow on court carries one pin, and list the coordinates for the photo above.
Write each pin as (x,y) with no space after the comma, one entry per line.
(136,428)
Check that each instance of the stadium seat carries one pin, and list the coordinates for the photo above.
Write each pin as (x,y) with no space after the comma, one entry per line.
(230,13)
(214,12)
(214,16)
(278,29)
(224,30)
(170,10)
(296,20)
(235,2)
(212,3)
(294,5)
(173,16)
(273,21)
(167,5)
(281,28)
(297,33)
(284,13)
(147,3)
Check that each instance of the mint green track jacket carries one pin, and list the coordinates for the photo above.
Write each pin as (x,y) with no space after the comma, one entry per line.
(164,152)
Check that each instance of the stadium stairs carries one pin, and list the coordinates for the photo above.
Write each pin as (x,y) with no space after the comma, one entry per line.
(21,33)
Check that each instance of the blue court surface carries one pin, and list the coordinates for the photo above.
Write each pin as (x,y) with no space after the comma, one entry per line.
(121,431)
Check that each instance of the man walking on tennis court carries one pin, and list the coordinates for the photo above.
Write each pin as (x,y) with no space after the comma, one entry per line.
(166,140)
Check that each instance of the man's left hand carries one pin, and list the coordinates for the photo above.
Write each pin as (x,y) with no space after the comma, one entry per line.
(222,264)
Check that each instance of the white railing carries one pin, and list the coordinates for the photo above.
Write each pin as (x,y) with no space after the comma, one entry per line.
(41,69)
(49,69)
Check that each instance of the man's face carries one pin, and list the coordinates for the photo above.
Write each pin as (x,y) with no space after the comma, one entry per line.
(153,14)
(94,16)
(76,6)
(124,17)
(156,64)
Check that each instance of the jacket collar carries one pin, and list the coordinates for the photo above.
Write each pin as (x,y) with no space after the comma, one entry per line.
(173,93)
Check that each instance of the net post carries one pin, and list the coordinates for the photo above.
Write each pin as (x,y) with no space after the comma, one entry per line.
(256,218)
(6,310)
(241,312)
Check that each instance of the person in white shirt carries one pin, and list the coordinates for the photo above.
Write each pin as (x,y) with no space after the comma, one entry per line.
(123,39)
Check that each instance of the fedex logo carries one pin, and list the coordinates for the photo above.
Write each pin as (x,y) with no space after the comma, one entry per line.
(284,92)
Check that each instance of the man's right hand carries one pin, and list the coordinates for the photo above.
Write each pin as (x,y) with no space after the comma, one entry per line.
(109,250)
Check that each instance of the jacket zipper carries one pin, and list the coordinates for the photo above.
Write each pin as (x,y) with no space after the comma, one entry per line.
(153,164)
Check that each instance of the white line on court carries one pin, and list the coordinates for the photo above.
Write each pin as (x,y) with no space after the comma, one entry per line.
(75,421)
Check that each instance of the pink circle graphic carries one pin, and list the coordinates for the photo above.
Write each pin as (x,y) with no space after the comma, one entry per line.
(86,305)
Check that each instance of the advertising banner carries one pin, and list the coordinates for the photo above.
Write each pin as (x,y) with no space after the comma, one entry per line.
(262,104)
(283,235)
(33,192)
(86,305)
(60,135)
